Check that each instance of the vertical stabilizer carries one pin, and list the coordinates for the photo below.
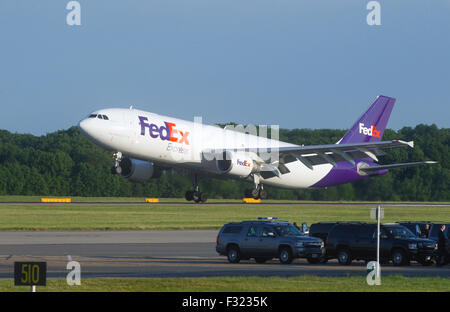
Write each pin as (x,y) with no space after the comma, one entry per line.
(371,125)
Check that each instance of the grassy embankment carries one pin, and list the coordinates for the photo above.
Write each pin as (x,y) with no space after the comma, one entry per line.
(243,284)
(173,216)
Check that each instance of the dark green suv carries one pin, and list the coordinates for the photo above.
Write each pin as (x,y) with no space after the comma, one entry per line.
(267,239)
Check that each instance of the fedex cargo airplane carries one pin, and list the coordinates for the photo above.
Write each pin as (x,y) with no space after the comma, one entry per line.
(143,144)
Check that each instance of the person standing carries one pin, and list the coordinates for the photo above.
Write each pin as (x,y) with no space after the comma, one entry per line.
(426,232)
(441,246)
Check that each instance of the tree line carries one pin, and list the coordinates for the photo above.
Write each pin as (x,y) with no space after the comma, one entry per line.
(64,163)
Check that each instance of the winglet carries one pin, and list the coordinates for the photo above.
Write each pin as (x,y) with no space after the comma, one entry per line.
(410,143)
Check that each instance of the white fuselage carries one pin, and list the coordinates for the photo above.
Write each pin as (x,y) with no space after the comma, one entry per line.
(178,143)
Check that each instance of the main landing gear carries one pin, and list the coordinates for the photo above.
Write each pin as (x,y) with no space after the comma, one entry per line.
(196,195)
(258,191)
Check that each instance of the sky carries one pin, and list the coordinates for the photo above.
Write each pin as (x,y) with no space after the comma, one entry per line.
(297,64)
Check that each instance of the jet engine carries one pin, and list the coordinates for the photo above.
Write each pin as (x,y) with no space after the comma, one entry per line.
(138,170)
(236,164)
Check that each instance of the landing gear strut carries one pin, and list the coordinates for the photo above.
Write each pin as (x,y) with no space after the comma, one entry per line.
(196,195)
(116,169)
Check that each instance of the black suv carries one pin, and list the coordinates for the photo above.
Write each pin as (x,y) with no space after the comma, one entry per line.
(321,230)
(264,240)
(358,241)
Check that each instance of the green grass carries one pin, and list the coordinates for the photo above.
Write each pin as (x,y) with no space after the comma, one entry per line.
(243,284)
(75,199)
(202,216)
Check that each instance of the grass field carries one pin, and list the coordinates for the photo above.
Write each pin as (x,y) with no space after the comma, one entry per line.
(243,284)
(201,216)
(77,199)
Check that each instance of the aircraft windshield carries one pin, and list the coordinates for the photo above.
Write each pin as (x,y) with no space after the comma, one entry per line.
(287,230)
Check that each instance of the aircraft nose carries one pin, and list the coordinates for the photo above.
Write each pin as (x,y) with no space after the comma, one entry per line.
(84,127)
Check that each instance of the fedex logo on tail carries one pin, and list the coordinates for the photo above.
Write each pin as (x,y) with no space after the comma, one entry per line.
(372,131)
(167,132)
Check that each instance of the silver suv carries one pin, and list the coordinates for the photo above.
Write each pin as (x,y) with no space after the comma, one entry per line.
(267,239)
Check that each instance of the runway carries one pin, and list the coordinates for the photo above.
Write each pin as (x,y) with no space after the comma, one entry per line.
(160,254)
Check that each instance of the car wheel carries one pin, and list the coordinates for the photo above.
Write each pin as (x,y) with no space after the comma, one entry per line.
(344,257)
(399,257)
(233,254)
(286,255)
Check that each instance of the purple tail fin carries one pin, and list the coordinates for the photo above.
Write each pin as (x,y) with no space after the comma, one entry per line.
(370,127)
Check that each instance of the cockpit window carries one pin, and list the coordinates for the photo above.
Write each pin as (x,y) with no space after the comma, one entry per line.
(104,117)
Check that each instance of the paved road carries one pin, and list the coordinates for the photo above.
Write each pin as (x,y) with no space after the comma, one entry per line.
(160,254)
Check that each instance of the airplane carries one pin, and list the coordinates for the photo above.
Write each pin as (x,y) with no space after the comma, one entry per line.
(144,144)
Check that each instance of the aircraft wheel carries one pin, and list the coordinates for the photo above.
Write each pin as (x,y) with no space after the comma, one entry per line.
(262,194)
(196,196)
(189,195)
(255,194)
(203,197)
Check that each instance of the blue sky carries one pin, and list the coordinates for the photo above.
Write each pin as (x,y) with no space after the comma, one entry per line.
(297,64)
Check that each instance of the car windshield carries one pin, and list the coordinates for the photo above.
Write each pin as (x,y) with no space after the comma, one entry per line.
(400,232)
(287,230)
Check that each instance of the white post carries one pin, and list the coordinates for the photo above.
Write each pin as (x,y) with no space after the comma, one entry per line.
(33,288)
(378,278)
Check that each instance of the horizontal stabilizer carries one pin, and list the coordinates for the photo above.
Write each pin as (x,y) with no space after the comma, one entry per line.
(382,167)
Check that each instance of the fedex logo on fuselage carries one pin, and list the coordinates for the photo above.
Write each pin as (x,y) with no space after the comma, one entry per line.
(167,132)
(372,131)
(243,163)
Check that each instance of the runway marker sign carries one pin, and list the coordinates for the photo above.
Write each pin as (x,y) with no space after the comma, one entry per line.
(30,274)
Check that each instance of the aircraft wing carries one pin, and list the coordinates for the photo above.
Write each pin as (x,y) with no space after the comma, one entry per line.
(314,155)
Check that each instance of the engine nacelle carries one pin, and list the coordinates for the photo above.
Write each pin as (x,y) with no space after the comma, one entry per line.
(138,170)
(237,164)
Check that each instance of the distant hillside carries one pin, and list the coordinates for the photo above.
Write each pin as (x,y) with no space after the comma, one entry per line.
(65,163)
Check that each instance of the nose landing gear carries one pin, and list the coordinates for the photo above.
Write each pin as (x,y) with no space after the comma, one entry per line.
(196,195)
(117,169)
